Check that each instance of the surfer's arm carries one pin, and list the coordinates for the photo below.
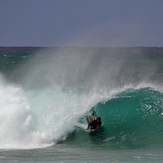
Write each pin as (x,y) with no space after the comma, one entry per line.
(89,119)
(98,126)
(93,117)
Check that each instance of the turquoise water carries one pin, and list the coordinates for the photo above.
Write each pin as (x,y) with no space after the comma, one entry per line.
(131,120)
(47,93)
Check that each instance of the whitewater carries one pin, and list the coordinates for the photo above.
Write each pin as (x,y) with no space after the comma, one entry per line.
(46,95)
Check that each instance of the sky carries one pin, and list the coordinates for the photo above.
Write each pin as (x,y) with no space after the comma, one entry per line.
(85,23)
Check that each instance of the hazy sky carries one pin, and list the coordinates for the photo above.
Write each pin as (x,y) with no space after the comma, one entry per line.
(81,23)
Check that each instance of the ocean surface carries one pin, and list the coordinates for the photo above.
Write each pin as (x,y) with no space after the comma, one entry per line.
(46,95)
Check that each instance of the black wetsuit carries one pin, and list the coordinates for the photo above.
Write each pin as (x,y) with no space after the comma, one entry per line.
(94,124)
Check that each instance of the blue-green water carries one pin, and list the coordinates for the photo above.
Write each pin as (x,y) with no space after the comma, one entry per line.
(47,93)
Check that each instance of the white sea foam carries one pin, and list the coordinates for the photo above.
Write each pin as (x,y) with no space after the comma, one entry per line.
(39,118)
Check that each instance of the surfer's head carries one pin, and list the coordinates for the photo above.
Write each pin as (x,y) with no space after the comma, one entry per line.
(98,119)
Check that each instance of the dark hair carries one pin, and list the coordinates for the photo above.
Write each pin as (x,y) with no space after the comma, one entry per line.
(99,118)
